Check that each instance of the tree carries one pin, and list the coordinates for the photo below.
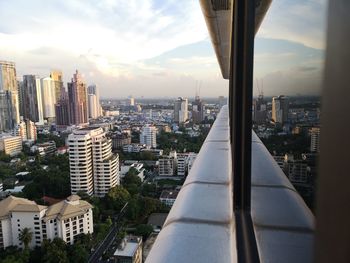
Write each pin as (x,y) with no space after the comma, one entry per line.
(149,205)
(132,178)
(25,236)
(78,254)
(117,197)
(55,251)
(144,230)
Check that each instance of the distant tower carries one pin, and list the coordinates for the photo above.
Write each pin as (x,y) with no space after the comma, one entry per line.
(78,105)
(48,91)
(56,76)
(32,99)
(8,85)
(62,109)
(131,101)
(198,110)
(94,102)
(280,109)
(181,110)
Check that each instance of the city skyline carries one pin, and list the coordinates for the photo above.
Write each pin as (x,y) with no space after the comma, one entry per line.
(126,50)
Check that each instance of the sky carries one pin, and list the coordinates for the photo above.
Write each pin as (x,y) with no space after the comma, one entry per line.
(158,48)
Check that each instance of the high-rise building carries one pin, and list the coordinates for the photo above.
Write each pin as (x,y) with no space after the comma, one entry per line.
(198,110)
(181,110)
(95,109)
(94,169)
(259,110)
(6,120)
(148,136)
(182,164)
(48,91)
(131,101)
(62,109)
(315,139)
(8,82)
(32,99)
(31,130)
(280,109)
(78,107)
(56,76)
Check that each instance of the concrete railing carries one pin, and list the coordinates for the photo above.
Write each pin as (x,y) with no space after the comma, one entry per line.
(200,226)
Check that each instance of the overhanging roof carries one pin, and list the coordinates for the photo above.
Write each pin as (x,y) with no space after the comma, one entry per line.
(217,14)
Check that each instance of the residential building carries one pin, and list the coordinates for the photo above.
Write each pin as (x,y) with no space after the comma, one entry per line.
(129,251)
(11,145)
(48,91)
(180,110)
(148,136)
(168,197)
(198,110)
(6,119)
(279,160)
(8,82)
(95,109)
(94,169)
(191,158)
(45,148)
(31,130)
(133,148)
(259,110)
(280,109)
(120,139)
(62,109)
(32,99)
(66,220)
(167,166)
(56,76)
(78,107)
(315,139)
(138,167)
(20,129)
(296,170)
(182,159)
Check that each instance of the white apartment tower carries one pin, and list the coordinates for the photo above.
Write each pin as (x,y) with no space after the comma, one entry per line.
(180,110)
(280,109)
(94,107)
(94,169)
(48,91)
(148,136)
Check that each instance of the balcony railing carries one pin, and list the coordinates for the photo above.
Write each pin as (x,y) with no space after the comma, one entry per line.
(201,224)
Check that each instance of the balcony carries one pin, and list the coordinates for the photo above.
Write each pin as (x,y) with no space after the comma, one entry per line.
(201,226)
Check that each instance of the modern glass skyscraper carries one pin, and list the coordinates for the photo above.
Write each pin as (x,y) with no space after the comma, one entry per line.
(181,110)
(48,90)
(78,107)
(56,76)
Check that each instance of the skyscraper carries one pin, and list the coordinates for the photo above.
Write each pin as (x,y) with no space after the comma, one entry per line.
(94,102)
(32,99)
(62,109)
(198,110)
(181,110)
(8,82)
(259,110)
(56,76)
(315,139)
(78,107)
(94,169)
(48,91)
(148,136)
(6,119)
(280,109)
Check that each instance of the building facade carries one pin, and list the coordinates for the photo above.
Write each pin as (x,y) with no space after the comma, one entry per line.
(129,250)
(62,109)
(181,110)
(280,109)
(315,139)
(148,136)
(56,76)
(32,99)
(11,145)
(48,91)
(78,105)
(166,166)
(94,169)
(198,110)
(66,220)
(119,140)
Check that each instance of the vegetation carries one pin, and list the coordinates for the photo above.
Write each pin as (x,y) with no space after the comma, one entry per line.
(25,236)
(280,145)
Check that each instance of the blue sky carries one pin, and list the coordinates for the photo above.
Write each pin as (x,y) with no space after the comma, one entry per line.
(158,48)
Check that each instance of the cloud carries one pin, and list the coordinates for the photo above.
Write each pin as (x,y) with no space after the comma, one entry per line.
(298,21)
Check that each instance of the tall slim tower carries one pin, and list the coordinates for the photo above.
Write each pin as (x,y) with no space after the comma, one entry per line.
(62,109)
(32,99)
(78,106)
(181,110)
(8,82)
(198,110)
(6,120)
(48,91)
(280,109)
(94,101)
(94,169)
(56,76)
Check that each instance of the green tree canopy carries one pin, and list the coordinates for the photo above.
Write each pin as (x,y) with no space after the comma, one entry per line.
(25,236)
(117,197)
